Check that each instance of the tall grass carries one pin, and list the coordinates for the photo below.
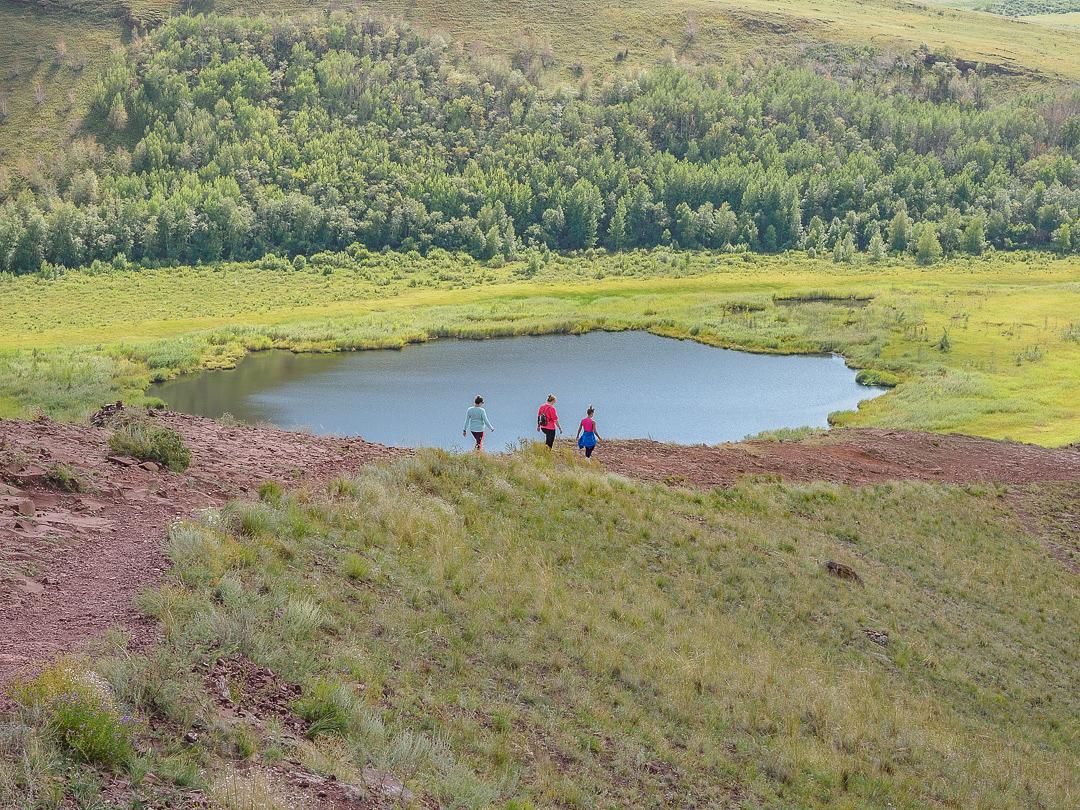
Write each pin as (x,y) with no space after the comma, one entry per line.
(530,630)
(145,441)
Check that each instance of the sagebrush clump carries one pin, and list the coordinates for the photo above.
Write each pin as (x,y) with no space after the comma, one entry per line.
(148,442)
(65,478)
(79,713)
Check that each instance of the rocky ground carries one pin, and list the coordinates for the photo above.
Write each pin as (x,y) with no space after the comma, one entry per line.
(72,562)
(855,457)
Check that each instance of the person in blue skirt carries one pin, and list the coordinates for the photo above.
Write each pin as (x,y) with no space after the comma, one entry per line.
(586,433)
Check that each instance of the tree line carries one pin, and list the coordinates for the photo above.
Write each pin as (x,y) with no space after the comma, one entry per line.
(225,138)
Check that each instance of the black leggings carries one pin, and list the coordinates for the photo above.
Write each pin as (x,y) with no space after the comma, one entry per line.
(588,451)
(479,436)
(549,435)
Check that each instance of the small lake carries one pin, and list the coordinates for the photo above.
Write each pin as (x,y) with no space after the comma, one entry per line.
(642,386)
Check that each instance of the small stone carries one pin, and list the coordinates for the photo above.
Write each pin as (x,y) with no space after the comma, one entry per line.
(389,786)
(151,466)
(842,571)
(43,501)
(123,461)
(879,637)
(29,477)
(26,507)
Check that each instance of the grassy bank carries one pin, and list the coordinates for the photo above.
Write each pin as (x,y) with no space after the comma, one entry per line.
(987,346)
(528,632)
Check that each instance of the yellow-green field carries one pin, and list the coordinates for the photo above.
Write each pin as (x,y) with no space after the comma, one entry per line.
(1067,22)
(989,347)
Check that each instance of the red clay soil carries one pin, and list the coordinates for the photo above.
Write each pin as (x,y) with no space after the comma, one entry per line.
(71,563)
(854,457)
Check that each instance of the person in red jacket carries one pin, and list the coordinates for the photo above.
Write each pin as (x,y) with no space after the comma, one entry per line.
(547,421)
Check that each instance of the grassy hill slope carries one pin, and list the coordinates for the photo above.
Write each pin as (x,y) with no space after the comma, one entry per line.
(528,632)
(593,32)
(591,39)
(49,61)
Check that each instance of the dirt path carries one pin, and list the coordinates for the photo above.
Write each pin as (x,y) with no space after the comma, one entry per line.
(855,457)
(71,564)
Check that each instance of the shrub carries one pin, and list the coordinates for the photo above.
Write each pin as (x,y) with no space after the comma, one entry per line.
(64,478)
(356,568)
(79,711)
(327,708)
(146,442)
(943,344)
(270,492)
(875,376)
(234,790)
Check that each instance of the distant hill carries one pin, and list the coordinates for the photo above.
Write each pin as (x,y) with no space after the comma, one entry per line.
(230,137)
(49,49)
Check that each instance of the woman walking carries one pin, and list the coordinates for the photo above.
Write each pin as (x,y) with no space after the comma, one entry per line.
(476,421)
(547,421)
(586,433)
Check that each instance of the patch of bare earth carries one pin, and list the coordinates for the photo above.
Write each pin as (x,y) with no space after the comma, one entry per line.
(72,562)
(855,457)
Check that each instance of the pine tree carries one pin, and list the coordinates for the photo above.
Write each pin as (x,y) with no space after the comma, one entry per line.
(118,117)
(618,238)
(493,243)
(583,208)
(685,226)
(844,250)
(1062,238)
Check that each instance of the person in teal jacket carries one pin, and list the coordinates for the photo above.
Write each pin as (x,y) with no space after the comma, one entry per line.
(476,421)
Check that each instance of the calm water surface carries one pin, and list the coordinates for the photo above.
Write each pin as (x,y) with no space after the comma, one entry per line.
(642,386)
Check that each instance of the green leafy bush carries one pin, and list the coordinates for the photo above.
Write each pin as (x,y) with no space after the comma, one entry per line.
(270,492)
(327,707)
(876,376)
(78,710)
(147,442)
(64,478)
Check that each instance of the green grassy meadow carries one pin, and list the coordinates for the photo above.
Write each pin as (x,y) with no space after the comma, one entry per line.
(1006,367)
(525,631)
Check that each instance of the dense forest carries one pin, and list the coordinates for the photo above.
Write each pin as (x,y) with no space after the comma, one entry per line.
(217,137)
